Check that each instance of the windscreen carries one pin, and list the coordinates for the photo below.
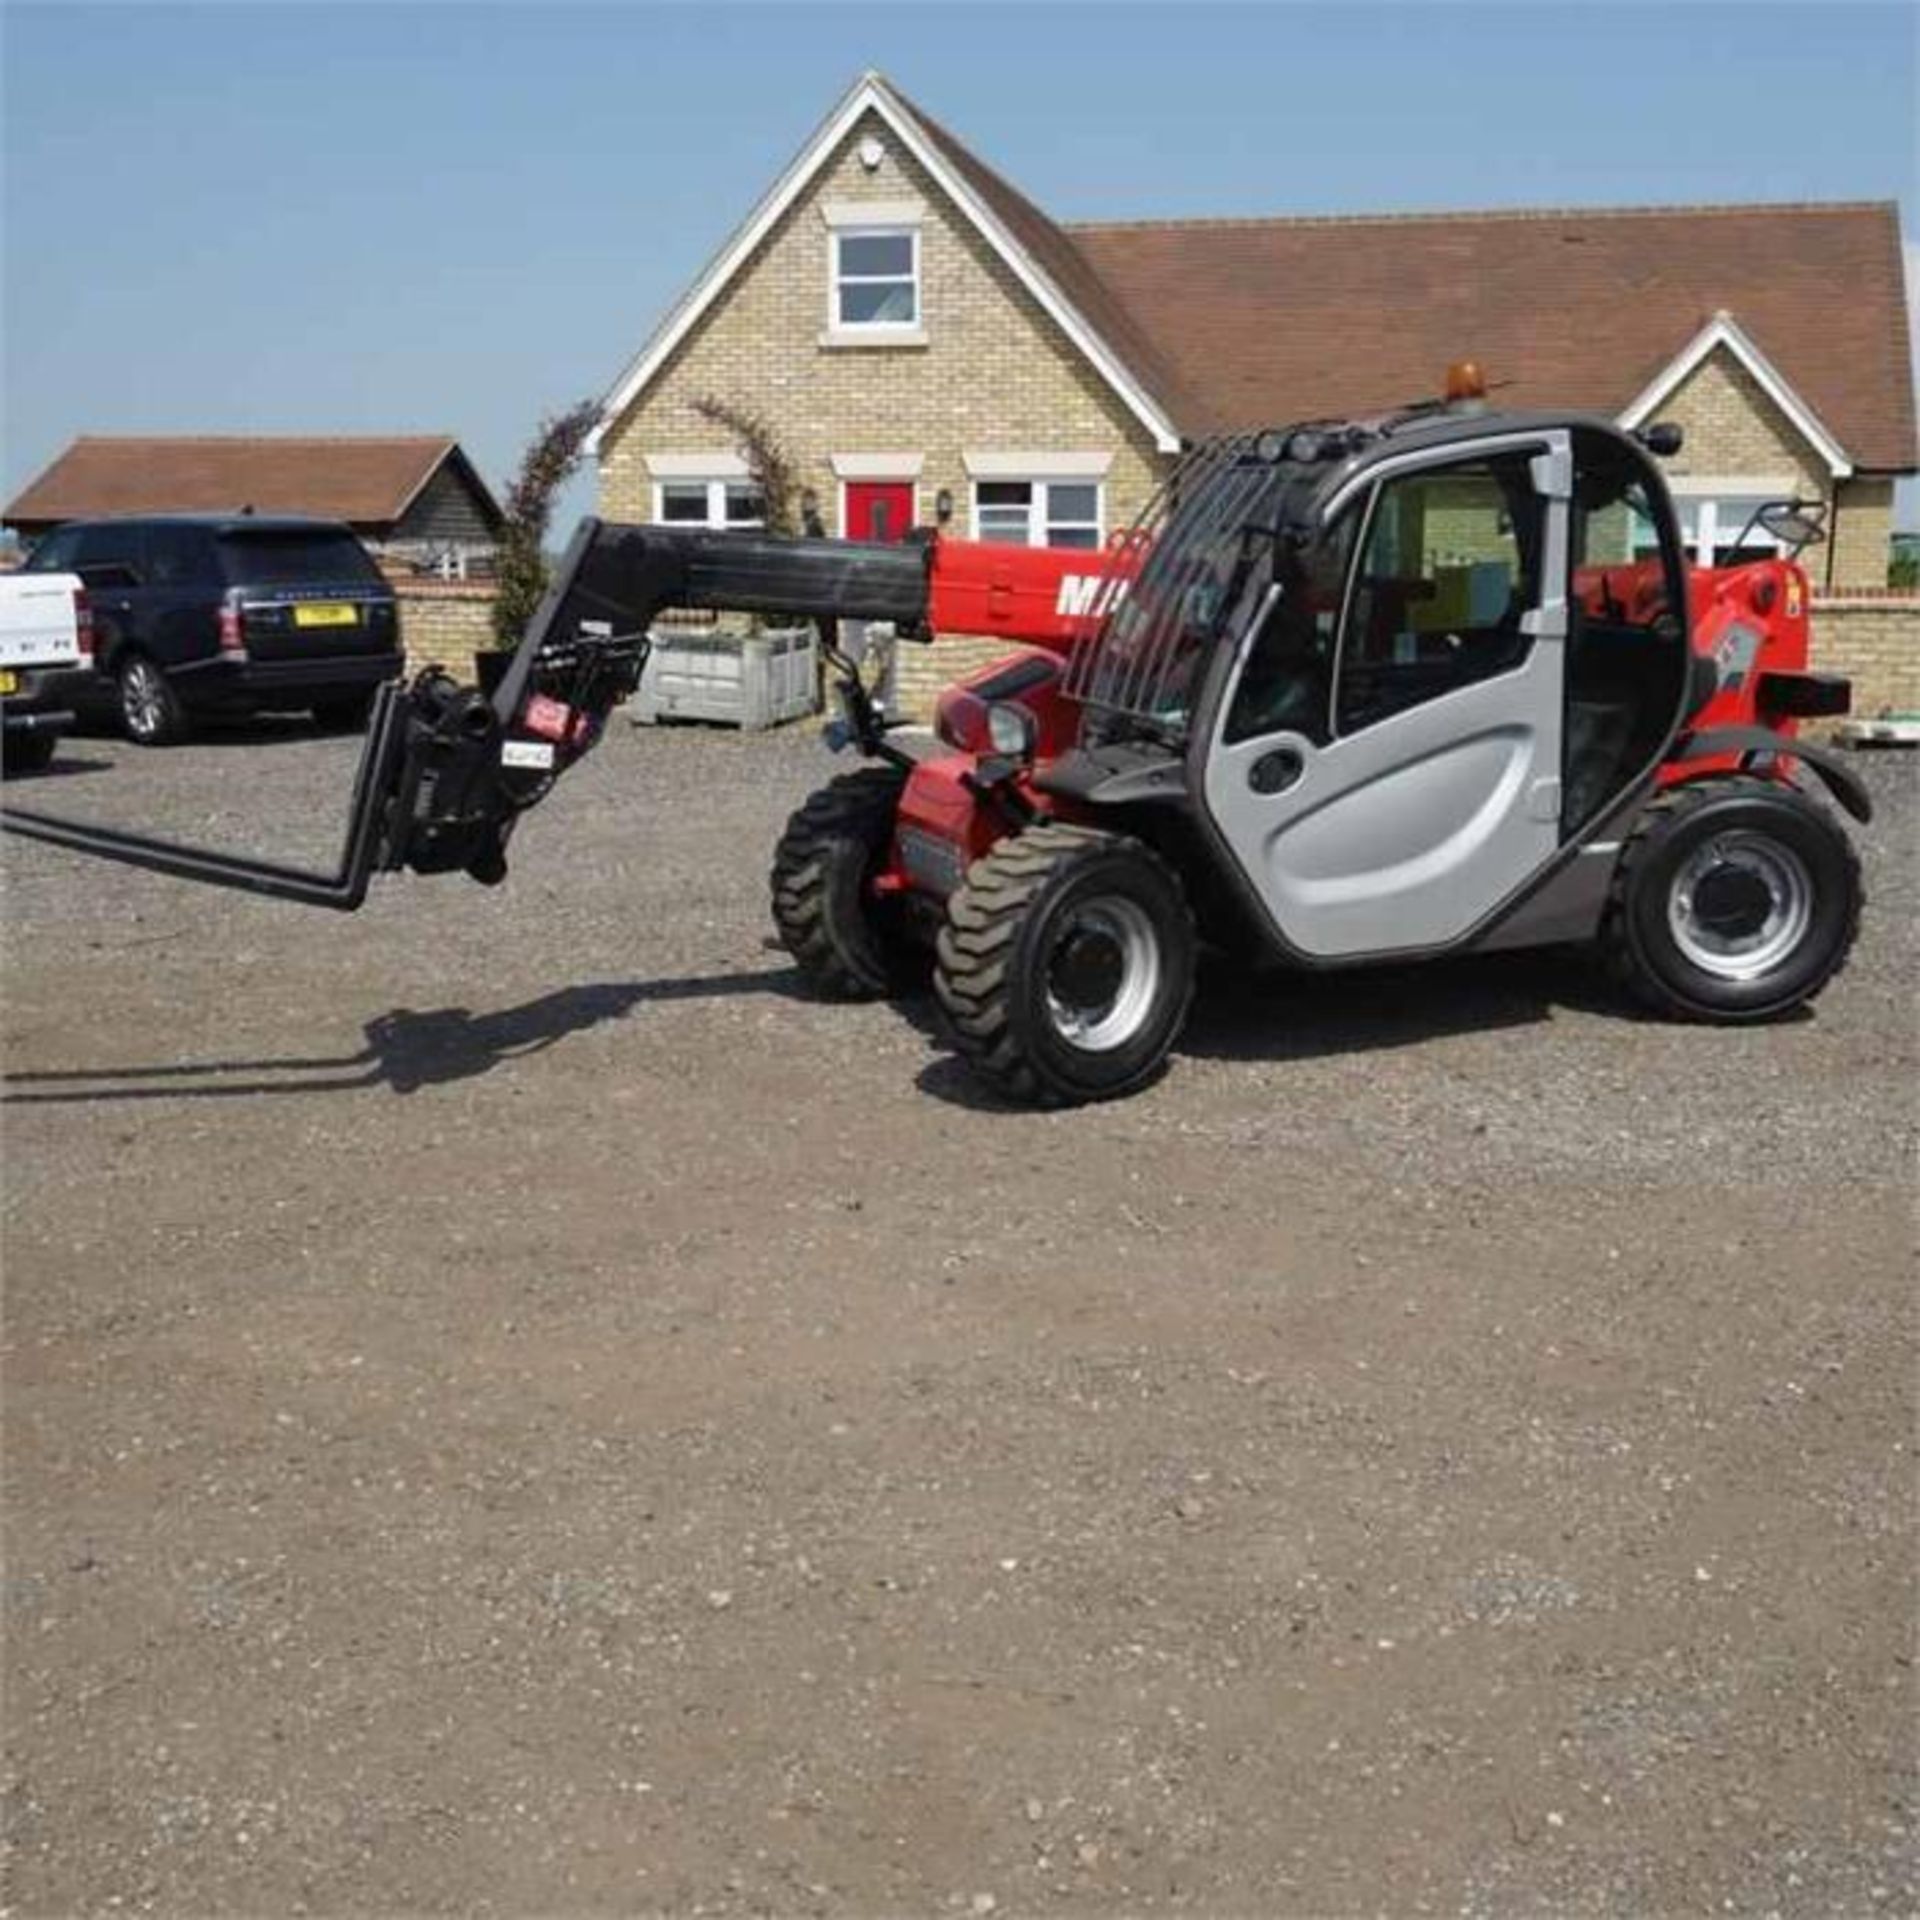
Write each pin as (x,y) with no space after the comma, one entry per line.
(296,557)
(1189,567)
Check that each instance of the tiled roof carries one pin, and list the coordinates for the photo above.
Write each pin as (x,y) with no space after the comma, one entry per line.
(365,481)
(1238,323)
(1265,321)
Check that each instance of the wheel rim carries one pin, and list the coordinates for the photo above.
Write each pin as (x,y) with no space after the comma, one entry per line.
(1740,905)
(142,698)
(1102,974)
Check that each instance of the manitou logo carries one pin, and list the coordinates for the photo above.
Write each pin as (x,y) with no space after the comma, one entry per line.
(1086,596)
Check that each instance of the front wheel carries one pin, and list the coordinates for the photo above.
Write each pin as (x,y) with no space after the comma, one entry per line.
(150,710)
(1735,899)
(848,944)
(1066,965)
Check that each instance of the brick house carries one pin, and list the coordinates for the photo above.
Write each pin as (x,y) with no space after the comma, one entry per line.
(930,345)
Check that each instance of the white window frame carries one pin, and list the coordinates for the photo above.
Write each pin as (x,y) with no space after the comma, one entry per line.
(1040,515)
(716,487)
(1711,511)
(839,329)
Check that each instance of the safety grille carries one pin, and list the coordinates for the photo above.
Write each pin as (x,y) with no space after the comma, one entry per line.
(1171,578)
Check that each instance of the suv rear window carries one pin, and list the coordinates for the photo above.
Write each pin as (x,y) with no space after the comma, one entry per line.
(293,558)
(180,556)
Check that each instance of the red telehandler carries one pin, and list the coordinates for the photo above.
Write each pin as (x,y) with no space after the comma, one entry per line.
(1351,691)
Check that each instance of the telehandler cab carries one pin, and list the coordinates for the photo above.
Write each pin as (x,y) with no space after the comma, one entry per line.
(1352,691)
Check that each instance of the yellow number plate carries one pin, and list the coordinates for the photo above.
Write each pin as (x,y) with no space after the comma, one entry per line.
(9,680)
(317,613)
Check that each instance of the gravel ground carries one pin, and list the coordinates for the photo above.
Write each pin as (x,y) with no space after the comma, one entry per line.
(509,1408)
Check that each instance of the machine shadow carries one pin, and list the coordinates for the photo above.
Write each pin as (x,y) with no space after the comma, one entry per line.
(1316,1016)
(221,730)
(1243,1016)
(63,766)
(404,1050)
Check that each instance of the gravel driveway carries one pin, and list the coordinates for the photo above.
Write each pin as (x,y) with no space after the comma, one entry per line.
(509,1408)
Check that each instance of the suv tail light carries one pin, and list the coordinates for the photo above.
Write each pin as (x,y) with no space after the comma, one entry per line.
(233,636)
(83,623)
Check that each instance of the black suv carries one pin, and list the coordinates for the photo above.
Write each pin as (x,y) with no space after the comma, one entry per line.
(232,613)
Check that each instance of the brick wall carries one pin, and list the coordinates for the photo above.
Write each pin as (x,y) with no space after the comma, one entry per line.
(921,671)
(443,624)
(1733,427)
(1873,638)
(995,373)
(1860,538)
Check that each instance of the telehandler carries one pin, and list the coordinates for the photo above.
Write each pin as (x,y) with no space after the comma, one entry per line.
(1351,691)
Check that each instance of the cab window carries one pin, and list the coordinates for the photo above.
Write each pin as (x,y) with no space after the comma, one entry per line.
(1449,567)
(1287,683)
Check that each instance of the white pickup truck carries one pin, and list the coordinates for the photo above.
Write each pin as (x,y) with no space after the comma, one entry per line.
(46,653)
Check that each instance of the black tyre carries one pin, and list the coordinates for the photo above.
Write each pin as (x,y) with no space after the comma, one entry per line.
(150,710)
(347,714)
(1735,899)
(27,752)
(849,945)
(1066,965)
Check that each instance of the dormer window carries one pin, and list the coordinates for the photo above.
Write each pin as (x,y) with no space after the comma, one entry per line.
(876,279)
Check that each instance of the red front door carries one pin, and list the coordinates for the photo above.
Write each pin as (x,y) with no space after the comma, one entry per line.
(879,509)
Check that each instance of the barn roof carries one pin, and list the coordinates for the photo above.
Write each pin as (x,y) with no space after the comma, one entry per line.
(367,481)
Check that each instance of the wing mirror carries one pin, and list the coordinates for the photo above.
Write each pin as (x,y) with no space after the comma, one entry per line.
(1794,523)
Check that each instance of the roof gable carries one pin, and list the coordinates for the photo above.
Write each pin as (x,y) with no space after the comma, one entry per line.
(1038,253)
(369,482)
(1723,331)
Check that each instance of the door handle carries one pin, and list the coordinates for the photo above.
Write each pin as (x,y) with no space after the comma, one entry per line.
(1276,771)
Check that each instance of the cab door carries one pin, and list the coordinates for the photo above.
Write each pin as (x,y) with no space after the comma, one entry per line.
(1387,775)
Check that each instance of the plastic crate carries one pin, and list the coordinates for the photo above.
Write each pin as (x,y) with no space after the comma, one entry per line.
(747,680)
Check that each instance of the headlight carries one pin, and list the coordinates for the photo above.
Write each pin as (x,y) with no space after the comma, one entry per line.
(1011,729)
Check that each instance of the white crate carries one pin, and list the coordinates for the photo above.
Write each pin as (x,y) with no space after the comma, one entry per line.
(747,680)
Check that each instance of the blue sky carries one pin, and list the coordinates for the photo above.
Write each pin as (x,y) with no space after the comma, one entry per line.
(358,218)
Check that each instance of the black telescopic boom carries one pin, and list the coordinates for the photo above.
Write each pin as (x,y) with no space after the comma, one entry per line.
(446,770)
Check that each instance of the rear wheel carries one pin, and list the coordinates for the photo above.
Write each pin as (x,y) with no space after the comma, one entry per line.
(848,944)
(1735,899)
(150,710)
(1066,965)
